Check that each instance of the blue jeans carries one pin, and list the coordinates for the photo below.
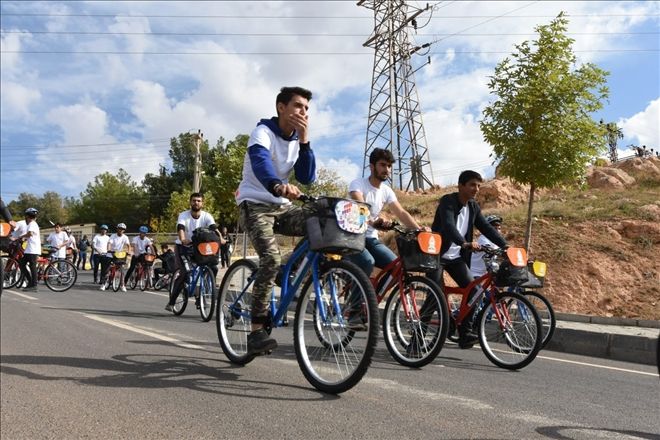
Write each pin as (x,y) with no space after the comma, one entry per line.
(375,253)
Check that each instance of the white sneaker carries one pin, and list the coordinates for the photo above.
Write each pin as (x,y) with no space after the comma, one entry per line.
(103,287)
(123,289)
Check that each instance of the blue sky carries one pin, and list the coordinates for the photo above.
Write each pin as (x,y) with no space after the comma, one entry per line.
(89,87)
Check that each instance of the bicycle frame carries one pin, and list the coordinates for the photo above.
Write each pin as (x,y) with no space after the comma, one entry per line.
(278,309)
(487,288)
(192,277)
(395,274)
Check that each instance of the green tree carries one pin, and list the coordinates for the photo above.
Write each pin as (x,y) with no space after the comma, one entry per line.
(540,125)
(327,183)
(222,174)
(112,199)
(612,135)
(51,206)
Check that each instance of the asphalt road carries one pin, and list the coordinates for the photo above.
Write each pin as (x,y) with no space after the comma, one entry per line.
(92,364)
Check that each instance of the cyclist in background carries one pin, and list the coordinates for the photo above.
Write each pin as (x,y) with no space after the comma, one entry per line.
(477,264)
(118,242)
(6,214)
(28,230)
(168,259)
(140,246)
(276,147)
(99,257)
(58,241)
(455,218)
(187,222)
(71,244)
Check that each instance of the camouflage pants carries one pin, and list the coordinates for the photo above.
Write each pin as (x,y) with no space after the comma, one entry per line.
(261,221)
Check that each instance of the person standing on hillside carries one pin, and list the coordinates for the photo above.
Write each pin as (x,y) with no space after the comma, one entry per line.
(455,218)
(276,147)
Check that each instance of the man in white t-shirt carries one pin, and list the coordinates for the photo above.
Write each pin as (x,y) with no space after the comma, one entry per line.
(100,248)
(141,245)
(118,243)
(187,222)
(32,235)
(374,191)
(58,240)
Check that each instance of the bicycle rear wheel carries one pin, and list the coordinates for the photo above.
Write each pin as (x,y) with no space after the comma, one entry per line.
(162,282)
(116,281)
(336,362)
(11,274)
(206,293)
(59,276)
(233,320)
(181,300)
(415,339)
(510,330)
(133,279)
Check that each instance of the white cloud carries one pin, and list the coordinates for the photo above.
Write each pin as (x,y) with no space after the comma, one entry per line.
(644,126)
(17,99)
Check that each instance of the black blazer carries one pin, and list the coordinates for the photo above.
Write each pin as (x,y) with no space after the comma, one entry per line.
(444,223)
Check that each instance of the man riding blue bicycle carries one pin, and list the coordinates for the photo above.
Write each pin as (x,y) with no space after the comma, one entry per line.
(186,224)
(276,147)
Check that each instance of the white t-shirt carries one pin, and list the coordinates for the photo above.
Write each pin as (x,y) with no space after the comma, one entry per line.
(190,223)
(34,240)
(20,229)
(462,221)
(100,243)
(140,245)
(118,243)
(284,155)
(376,197)
(56,239)
(477,264)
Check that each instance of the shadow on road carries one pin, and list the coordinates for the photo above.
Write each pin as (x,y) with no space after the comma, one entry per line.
(152,371)
(579,432)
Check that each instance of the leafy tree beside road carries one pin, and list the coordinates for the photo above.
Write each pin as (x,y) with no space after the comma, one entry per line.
(540,125)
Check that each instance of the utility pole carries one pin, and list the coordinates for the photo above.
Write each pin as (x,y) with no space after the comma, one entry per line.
(197,176)
(395,117)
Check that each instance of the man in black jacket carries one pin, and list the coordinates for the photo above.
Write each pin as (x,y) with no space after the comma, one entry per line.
(457,215)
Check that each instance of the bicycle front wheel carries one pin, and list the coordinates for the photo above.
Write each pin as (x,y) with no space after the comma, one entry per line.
(416,322)
(233,320)
(142,279)
(59,276)
(510,330)
(133,279)
(546,313)
(116,281)
(206,293)
(11,275)
(345,311)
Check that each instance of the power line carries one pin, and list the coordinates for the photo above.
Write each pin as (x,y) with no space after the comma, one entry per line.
(297,34)
(117,52)
(277,17)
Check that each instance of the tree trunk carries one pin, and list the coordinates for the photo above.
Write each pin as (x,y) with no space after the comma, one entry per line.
(528,229)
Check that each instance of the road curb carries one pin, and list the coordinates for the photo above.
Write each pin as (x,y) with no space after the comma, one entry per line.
(629,322)
(636,348)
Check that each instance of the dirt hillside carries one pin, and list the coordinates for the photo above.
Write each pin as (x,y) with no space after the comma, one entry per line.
(600,240)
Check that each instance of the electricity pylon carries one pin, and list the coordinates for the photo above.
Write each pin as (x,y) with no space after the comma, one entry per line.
(395,117)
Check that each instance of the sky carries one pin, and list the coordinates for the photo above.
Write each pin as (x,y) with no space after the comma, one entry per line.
(90,87)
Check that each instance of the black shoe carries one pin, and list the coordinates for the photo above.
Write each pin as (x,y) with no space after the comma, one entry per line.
(259,341)
(30,289)
(467,339)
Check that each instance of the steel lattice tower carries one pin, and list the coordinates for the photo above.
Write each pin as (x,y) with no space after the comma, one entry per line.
(395,117)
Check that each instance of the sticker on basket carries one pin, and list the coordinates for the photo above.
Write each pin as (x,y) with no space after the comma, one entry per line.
(352,216)
(539,268)
(149,258)
(5,229)
(210,248)
(517,256)
(429,243)
(121,254)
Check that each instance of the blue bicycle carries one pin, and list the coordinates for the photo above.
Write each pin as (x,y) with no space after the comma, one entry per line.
(199,283)
(336,315)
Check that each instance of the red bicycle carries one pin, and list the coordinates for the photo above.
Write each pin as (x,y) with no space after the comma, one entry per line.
(59,275)
(142,276)
(416,316)
(508,325)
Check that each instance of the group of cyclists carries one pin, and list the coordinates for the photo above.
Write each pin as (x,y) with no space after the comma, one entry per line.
(277,147)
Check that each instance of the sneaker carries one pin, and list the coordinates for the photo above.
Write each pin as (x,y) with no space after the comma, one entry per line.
(103,287)
(169,308)
(355,322)
(259,341)
(123,289)
(467,339)
(30,289)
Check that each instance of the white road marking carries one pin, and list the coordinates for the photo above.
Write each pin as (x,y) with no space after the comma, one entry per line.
(606,367)
(156,293)
(20,294)
(144,332)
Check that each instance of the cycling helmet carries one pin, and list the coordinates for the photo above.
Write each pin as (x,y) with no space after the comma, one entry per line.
(143,229)
(104,227)
(494,219)
(31,212)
